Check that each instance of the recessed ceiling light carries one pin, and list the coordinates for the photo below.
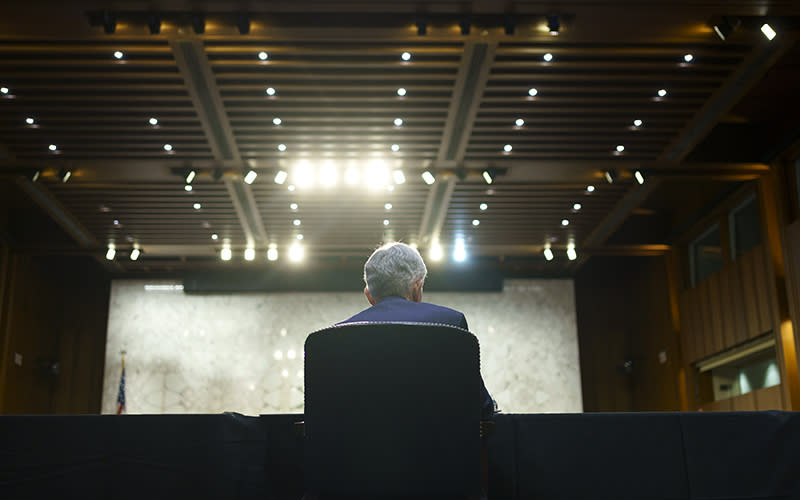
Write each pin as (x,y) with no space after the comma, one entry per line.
(768,31)
(297,222)
(637,123)
(167,147)
(263,55)
(225,254)
(187,187)
(639,176)
(197,206)
(399,177)
(52,147)
(118,54)
(390,188)
(590,189)
(662,92)
(395,147)
(111,252)
(548,57)
(272,252)
(385,222)
(276,121)
(280,176)
(153,121)
(293,206)
(299,236)
(532,92)
(291,187)
(620,148)
(270,91)
(476,222)
(688,57)
(249,254)
(428,177)
(4,90)
(214,236)
(30,121)
(401,92)
(406,56)
(548,253)
(519,122)
(387,206)
(483,206)
(281,147)
(190,176)
(398,122)
(507,148)
(250,177)
(577,206)
(135,254)
(565,222)
(571,253)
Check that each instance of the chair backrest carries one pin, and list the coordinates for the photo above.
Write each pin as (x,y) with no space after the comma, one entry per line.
(392,408)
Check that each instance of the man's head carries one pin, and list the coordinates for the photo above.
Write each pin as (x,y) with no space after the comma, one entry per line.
(395,269)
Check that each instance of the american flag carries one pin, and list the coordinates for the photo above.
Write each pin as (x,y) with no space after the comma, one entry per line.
(121,393)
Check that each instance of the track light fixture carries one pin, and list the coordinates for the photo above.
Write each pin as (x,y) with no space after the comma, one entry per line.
(198,23)
(243,23)
(489,175)
(610,175)
(422,27)
(465,26)
(34,175)
(548,252)
(726,27)
(508,25)
(553,24)
(154,23)
(639,176)
(190,175)
(109,22)
(64,174)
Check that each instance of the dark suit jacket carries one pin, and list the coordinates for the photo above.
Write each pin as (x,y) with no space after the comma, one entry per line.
(400,309)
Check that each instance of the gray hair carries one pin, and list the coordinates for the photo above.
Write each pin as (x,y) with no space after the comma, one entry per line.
(393,270)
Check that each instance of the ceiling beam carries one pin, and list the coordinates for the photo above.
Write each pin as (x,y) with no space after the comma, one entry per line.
(194,65)
(471,79)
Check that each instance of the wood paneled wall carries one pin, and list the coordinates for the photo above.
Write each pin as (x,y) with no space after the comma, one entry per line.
(623,311)
(768,398)
(728,308)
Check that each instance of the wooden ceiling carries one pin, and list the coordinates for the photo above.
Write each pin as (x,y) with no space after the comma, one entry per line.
(336,68)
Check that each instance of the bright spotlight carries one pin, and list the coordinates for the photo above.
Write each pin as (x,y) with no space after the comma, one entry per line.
(399,177)
(460,252)
(548,253)
(303,174)
(296,252)
(352,176)
(135,254)
(249,254)
(571,253)
(272,252)
(111,252)
(436,252)
(328,176)
(250,177)
(376,176)
(768,31)
(225,254)
(281,177)
(639,176)
(428,177)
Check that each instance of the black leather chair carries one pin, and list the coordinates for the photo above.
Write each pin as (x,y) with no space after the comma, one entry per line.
(392,410)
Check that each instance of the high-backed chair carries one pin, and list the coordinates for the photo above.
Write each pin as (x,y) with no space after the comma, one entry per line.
(392,410)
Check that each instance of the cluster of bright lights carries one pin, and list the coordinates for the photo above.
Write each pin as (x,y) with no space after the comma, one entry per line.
(375,175)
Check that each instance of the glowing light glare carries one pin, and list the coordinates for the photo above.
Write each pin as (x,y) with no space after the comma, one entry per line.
(215,236)
(270,91)
(376,176)
(519,122)
(487,177)
(197,206)
(483,206)
(250,176)
(401,92)
(167,147)
(406,56)
(291,354)
(565,222)
(395,147)
(296,252)
(52,147)
(190,176)
(303,174)
(768,31)
(118,54)
(428,177)
(532,92)
(4,90)
(620,148)
(398,122)
(281,147)
(328,175)
(547,57)
(30,121)
(590,189)
(688,57)
(577,206)
(399,177)
(135,254)
(387,206)
(352,176)
(293,206)
(278,355)
(435,252)
(548,253)
(639,176)
(225,254)
(476,222)
(507,148)
(276,121)
(153,121)
(285,373)
(111,252)
(281,176)
(263,55)
(297,222)
(299,237)
(459,252)
(272,252)
(662,92)
(249,254)
(385,222)
(187,188)
(571,253)
(637,123)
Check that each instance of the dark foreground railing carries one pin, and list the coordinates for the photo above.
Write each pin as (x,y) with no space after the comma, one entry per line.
(612,455)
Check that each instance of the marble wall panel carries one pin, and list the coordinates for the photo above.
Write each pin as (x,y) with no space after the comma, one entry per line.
(209,353)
